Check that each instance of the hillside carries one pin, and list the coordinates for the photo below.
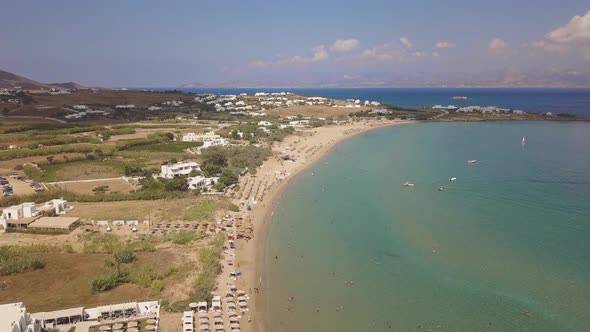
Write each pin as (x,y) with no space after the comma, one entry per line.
(12,81)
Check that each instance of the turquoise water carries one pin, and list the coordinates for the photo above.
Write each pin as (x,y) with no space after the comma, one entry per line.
(506,247)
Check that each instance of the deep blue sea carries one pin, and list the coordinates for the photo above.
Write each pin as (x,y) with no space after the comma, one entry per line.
(572,101)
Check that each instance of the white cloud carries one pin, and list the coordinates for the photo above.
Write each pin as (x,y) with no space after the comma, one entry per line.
(576,30)
(345,45)
(319,54)
(444,44)
(573,37)
(406,42)
(498,44)
(435,54)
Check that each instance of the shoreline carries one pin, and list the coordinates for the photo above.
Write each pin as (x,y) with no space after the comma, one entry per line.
(251,254)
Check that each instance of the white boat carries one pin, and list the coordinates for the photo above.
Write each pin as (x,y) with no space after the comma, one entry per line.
(408,184)
(523,140)
(452,179)
(471,161)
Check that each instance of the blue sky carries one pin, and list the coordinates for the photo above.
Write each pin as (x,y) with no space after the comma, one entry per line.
(157,43)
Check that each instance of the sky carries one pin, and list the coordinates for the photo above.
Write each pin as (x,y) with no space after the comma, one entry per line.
(157,43)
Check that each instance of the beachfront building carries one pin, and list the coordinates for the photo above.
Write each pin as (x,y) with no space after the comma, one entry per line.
(180,168)
(101,318)
(201,182)
(299,123)
(15,318)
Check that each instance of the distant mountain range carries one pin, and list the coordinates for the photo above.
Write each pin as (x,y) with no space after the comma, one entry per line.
(12,81)
(505,78)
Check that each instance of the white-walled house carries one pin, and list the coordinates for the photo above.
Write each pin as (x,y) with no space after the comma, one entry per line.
(180,168)
(16,212)
(80,107)
(200,182)
(193,137)
(15,318)
(264,123)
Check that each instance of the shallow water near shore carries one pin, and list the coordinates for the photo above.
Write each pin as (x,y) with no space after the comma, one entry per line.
(506,247)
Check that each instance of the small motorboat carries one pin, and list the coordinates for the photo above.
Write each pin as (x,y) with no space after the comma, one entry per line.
(471,161)
(441,188)
(452,179)
(408,184)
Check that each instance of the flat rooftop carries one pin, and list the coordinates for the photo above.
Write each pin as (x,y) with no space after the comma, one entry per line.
(54,222)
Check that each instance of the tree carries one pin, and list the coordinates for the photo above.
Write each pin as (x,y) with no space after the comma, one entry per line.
(176,184)
(195,172)
(212,170)
(228,178)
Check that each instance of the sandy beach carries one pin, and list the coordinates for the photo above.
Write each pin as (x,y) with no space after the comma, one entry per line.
(262,192)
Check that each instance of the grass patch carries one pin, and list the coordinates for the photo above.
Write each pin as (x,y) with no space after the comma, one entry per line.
(12,261)
(210,268)
(202,210)
(174,147)
(184,237)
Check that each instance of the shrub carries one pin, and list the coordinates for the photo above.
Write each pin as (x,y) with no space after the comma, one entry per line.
(210,268)
(108,282)
(124,255)
(13,261)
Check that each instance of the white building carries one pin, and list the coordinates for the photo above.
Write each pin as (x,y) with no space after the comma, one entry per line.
(16,212)
(178,169)
(80,107)
(264,123)
(15,318)
(193,137)
(214,142)
(125,106)
(154,108)
(200,182)
(299,123)
(58,205)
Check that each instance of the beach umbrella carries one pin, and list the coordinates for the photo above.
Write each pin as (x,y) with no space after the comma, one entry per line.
(204,325)
(236,330)
(204,320)
(105,328)
(217,320)
(233,314)
(150,328)
(220,329)
(217,314)
(234,319)
(118,326)
(193,305)
(243,303)
(132,324)
(242,298)
(133,329)
(234,325)
(151,321)
(205,330)
(203,314)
